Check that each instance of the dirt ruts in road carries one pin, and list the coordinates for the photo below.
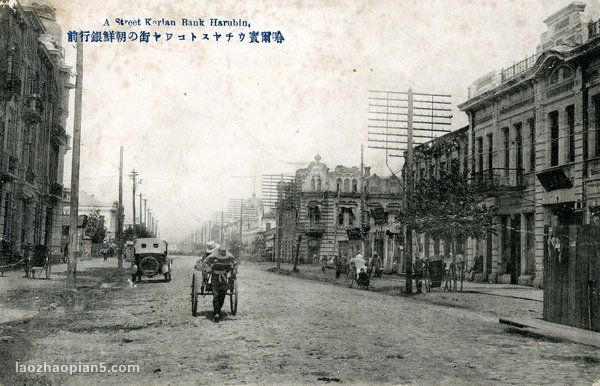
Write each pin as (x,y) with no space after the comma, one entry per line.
(287,331)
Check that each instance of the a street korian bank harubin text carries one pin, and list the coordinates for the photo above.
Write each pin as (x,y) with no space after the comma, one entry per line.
(183,22)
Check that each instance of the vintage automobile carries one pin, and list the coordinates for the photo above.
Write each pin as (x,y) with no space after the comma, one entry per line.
(150,259)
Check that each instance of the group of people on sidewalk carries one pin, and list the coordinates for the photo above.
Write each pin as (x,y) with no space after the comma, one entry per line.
(373,268)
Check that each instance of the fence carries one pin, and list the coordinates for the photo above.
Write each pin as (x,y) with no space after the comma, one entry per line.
(572,275)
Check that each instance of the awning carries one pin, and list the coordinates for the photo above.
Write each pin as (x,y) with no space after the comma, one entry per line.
(354,234)
(554,179)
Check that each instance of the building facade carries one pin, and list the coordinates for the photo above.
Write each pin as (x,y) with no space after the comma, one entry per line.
(87,205)
(449,154)
(535,127)
(34,99)
(325,212)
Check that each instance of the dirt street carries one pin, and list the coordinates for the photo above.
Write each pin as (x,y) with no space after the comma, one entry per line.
(287,331)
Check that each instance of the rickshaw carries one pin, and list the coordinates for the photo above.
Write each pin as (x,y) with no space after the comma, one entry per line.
(149,259)
(360,277)
(37,260)
(201,286)
(433,274)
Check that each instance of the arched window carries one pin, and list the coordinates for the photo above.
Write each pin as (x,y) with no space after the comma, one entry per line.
(319,183)
(314,214)
(338,186)
(347,185)
(312,184)
(355,186)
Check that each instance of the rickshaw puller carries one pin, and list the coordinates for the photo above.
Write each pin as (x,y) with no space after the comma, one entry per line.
(221,262)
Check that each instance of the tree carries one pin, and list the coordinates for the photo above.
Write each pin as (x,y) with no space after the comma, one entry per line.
(450,207)
(95,227)
(235,246)
(137,231)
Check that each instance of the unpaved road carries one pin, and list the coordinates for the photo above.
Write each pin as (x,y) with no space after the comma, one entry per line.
(287,331)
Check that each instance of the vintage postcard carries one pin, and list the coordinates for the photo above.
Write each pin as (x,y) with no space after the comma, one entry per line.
(368,192)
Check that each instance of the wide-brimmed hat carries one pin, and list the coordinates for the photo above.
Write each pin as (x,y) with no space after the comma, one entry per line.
(211,246)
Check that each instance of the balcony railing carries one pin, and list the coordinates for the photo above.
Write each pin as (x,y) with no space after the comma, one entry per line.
(517,68)
(500,178)
(314,227)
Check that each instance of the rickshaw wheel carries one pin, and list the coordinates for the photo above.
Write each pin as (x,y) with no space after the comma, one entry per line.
(350,278)
(194,295)
(233,297)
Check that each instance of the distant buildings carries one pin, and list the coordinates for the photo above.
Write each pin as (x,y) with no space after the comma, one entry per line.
(341,211)
(34,99)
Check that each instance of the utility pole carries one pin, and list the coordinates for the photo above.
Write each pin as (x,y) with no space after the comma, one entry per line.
(241,225)
(393,125)
(74,207)
(141,213)
(408,190)
(134,176)
(279,220)
(221,229)
(335,219)
(363,192)
(120,212)
(146,212)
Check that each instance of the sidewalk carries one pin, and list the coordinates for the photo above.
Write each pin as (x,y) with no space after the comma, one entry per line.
(393,280)
(37,288)
(517,306)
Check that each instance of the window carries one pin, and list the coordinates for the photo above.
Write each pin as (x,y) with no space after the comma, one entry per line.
(346,185)
(506,133)
(519,148)
(314,214)
(553,119)
(319,183)
(143,245)
(338,185)
(571,125)
(155,245)
(312,184)
(480,150)
(490,155)
(531,124)
(354,186)
(351,218)
(268,225)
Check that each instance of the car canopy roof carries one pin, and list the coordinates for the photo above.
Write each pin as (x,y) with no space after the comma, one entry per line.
(150,245)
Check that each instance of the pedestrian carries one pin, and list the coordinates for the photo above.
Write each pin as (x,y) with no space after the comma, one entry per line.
(418,267)
(337,261)
(358,264)
(376,265)
(211,247)
(222,265)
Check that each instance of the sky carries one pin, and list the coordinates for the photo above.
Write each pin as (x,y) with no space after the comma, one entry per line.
(191,116)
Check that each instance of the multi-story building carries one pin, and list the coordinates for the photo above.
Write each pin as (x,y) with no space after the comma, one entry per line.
(534,127)
(341,211)
(34,99)
(448,153)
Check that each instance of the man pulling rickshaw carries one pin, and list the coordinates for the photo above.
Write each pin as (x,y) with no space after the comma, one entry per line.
(219,274)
